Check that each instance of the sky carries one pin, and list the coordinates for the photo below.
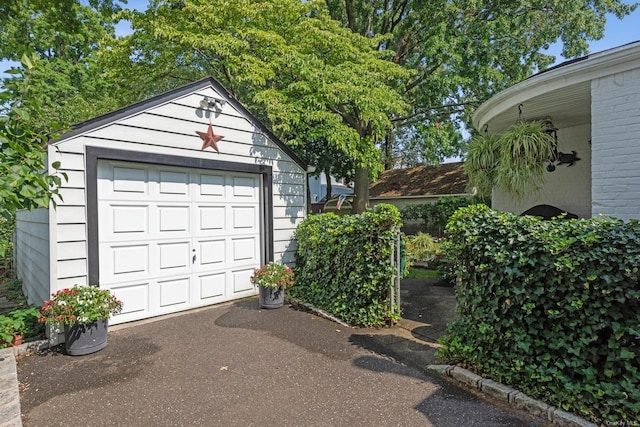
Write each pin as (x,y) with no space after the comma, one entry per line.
(617,32)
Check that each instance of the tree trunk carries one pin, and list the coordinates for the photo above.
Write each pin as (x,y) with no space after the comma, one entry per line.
(387,151)
(309,201)
(361,190)
(329,184)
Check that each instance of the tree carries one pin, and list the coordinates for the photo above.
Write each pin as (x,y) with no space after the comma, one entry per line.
(311,80)
(23,156)
(62,38)
(58,83)
(462,52)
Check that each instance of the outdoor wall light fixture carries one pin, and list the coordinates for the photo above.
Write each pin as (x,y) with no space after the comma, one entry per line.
(552,131)
(557,158)
(209,103)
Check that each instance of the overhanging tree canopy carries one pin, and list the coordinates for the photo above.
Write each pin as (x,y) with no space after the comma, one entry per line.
(300,71)
(462,52)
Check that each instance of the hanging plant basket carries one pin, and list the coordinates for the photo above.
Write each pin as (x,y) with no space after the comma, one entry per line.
(513,161)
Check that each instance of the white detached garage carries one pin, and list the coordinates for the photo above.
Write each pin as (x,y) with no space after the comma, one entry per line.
(171,203)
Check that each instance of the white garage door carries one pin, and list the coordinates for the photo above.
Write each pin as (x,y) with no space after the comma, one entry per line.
(176,238)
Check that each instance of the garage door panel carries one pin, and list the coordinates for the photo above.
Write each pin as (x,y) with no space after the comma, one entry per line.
(241,280)
(212,285)
(211,253)
(173,218)
(129,219)
(211,186)
(174,183)
(244,249)
(130,180)
(130,259)
(244,188)
(134,298)
(174,292)
(174,256)
(211,218)
(244,217)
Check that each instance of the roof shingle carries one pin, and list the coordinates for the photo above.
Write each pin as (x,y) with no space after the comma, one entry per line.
(447,178)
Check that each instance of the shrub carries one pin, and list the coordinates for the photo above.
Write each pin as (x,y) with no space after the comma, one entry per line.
(343,264)
(434,216)
(549,306)
(22,321)
(422,247)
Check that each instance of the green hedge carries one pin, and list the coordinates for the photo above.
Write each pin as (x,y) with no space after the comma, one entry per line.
(434,216)
(551,307)
(343,264)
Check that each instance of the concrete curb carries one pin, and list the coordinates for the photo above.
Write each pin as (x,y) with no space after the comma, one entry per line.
(511,396)
(9,393)
(297,303)
(10,415)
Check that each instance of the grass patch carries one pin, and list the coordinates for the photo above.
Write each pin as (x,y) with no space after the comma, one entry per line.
(422,273)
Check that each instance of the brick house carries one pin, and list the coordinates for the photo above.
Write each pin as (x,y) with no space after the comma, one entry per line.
(594,102)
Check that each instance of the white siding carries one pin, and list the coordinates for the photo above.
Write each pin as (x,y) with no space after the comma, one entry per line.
(32,253)
(170,129)
(567,188)
(616,144)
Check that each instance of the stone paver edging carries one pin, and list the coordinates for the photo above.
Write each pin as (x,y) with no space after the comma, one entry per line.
(9,395)
(10,415)
(512,396)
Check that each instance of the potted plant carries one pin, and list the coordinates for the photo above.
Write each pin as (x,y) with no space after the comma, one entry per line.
(513,161)
(16,325)
(84,312)
(272,279)
(11,330)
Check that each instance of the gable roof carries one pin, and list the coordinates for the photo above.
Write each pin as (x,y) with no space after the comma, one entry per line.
(163,98)
(447,178)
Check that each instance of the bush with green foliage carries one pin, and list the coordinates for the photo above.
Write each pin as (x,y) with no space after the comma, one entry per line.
(22,321)
(434,216)
(343,264)
(549,306)
(422,247)
(23,158)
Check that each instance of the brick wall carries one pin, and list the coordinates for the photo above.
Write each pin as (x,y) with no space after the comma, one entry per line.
(615,110)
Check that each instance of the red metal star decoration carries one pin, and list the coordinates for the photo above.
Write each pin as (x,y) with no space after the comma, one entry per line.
(210,139)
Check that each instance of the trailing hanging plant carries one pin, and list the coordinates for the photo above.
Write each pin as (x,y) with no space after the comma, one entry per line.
(513,161)
(482,161)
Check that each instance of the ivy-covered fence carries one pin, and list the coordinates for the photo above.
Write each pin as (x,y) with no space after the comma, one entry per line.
(552,307)
(344,264)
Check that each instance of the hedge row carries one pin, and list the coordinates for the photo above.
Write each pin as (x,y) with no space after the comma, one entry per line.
(343,264)
(550,306)
(434,216)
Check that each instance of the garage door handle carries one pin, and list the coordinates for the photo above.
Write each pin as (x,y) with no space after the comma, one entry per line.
(194,257)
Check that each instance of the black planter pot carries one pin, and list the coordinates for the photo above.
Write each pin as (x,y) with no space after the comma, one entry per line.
(271,297)
(85,339)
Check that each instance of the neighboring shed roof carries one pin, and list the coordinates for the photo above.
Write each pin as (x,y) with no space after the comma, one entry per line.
(447,178)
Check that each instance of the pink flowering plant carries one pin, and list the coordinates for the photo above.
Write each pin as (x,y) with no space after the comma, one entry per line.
(80,304)
(273,275)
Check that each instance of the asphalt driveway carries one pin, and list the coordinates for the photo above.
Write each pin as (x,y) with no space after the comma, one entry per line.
(238,365)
